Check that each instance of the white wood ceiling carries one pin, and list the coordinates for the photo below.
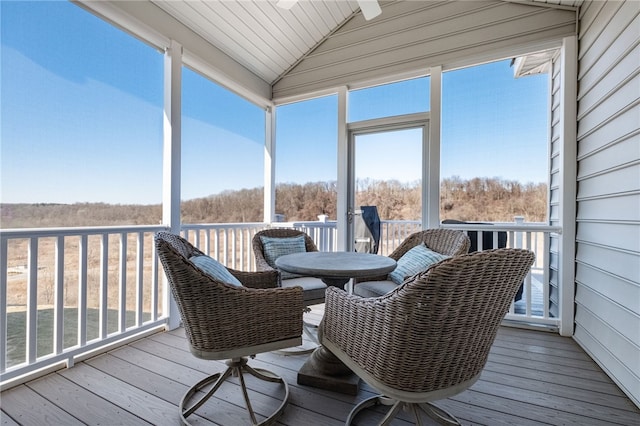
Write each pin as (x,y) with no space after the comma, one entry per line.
(264,38)
(269,40)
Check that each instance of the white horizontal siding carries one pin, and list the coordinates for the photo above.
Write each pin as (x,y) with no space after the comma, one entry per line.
(610,207)
(608,198)
(625,179)
(622,292)
(626,235)
(613,156)
(411,36)
(621,263)
(625,97)
(614,77)
(613,129)
(600,314)
(625,374)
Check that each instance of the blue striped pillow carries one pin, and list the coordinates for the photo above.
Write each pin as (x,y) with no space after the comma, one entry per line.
(415,260)
(274,247)
(214,269)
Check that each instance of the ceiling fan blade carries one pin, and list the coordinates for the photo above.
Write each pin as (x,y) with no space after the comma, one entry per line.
(370,8)
(286,4)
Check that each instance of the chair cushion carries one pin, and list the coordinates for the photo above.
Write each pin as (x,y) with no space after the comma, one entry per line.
(415,260)
(274,247)
(374,288)
(215,270)
(312,288)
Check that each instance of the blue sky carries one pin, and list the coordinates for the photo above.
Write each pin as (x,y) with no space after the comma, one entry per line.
(81,120)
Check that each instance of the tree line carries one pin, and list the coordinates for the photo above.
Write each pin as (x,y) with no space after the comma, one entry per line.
(478,199)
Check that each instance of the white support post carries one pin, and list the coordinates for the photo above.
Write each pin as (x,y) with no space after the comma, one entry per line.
(519,221)
(172,130)
(568,167)
(431,170)
(270,166)
(342,207)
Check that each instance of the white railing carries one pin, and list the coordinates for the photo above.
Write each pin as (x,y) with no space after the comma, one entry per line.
(229,243)
(534,305)
(67,293)
(324,233)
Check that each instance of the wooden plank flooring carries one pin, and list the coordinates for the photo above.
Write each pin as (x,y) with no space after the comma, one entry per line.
(532,378)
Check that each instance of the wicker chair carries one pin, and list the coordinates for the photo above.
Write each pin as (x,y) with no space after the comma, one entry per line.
(444,241)
(313,289)
(429,338)
(224,321)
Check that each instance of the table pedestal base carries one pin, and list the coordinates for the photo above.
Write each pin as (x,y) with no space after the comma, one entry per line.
(324,371)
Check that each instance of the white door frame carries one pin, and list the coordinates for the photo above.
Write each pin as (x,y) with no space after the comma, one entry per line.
(386,124)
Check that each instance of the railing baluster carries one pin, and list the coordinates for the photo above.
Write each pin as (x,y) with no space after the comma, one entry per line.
(4,272)
(529,277)
(233,248)
(122,284)
(82,290)
(154,283)
(216,251)
(32,300)
(245,247)
(545,272)
(225,246)
(58,297)
(104,285)
(139,278)
(528,294)
(207,241)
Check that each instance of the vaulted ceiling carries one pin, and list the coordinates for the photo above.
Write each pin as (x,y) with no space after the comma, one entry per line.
(269,40)
(266,52)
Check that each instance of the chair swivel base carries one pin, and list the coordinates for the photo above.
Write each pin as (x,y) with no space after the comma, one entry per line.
(236,367)
(438,414)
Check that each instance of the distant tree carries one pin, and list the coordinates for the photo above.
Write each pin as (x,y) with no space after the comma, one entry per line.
(478,199)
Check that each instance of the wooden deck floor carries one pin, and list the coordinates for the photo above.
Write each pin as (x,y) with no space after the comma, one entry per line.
(532,378)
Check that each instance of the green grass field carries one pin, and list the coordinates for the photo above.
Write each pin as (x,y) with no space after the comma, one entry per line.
(17,330)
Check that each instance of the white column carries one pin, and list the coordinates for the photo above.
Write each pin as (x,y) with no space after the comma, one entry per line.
(343,173)
(172,130)
(270,165)
(568,168)
(431,170)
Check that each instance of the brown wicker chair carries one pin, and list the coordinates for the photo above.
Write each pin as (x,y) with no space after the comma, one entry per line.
(224,321)
(313,289)
(429,338)
(444,241)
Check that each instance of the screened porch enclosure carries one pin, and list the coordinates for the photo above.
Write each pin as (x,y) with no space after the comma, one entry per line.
(89,294)
(116,290)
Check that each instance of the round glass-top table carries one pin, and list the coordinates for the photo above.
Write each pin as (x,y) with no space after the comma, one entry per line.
(336,268)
